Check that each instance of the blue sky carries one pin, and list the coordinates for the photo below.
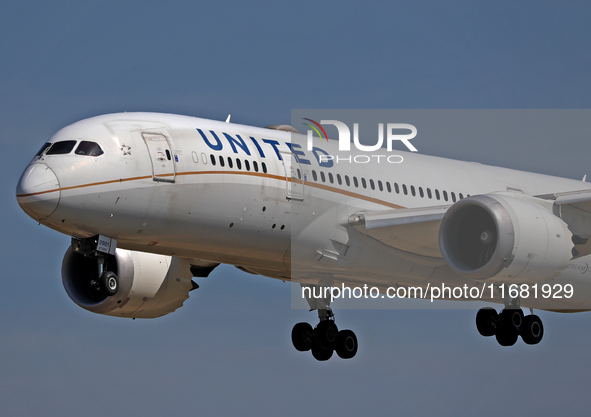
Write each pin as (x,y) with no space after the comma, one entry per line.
(228,349)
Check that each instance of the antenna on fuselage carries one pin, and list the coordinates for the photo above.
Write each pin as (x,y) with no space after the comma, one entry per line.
(228,118)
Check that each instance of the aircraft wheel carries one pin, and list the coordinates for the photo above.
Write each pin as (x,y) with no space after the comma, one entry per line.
(487,321)
(511,320)
(320,353)
(346,344)
(109,283)
(301,336)
(532,330)
(326,334)
(95,286)
(506,337)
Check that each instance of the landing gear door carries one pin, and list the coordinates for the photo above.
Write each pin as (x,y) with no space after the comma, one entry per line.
(163,168)
(294,177)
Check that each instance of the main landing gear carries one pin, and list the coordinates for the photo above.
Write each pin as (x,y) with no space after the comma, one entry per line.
(325,338)
(105,283)
(507,325)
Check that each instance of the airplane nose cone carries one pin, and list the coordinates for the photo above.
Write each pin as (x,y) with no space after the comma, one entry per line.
(38,191)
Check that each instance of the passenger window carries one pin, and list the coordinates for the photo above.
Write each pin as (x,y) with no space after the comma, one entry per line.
(380,186)
(330,177)
(230,162)
(412,190)
(168,155)
(453,197)
(212,159)
(89,148)
(437,195)
(372,184)
(314,175)
(355,182)
(347,180)
(61,148)
(363,182)
(222,161)
(404,189)
(388,187)
(299,174)
(256,167)
(429,193)
(238,163)
(445,195)
(339,179)
(247,164)
(421,192)
(322,176)
(396,188)
(264,167)
(461,196)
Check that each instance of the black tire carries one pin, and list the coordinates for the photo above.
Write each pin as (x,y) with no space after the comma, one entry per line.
(511,320)
(532,330)
(320,353)
(96,288)
(346,345)
(326,334)
(109,283)
(487,321)
(506,337)
(302,336)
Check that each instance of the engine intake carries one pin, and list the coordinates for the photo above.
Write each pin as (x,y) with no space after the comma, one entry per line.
(500,238)
(149,285)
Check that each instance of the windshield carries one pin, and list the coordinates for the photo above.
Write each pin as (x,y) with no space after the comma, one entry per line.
(43,148)
(61,148)
(89,148)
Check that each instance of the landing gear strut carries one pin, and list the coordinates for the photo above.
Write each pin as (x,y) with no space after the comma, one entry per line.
(106,282)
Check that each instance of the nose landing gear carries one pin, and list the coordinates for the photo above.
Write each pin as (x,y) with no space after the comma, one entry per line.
(109,283)
(106,282)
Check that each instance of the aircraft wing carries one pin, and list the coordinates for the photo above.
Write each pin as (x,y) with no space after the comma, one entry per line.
(416,230)
(579,200)
(575,209)
(411,230)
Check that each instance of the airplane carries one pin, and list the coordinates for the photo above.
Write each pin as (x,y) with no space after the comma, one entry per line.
(152,200)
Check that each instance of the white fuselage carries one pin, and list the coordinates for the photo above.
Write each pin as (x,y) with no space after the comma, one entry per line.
(156,189)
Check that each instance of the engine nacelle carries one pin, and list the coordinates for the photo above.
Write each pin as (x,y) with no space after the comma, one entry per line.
(149,285)
(503,238)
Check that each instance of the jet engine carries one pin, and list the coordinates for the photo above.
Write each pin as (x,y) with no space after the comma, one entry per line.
(149,285)
(504,238)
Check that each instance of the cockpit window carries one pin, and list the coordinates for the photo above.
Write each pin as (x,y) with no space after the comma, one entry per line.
(43,149)
(61,148)
(89,148)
